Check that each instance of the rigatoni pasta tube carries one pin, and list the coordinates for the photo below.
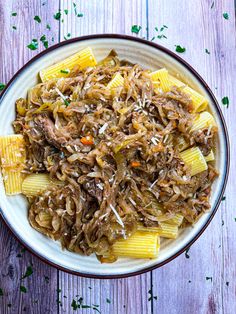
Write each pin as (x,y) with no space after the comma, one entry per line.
(203,120)
(83,59)
(36,183)
(161,76)
(182,144)
(176,220)
(199,102)
(165,230)
(139,245)
(210,156)
(194,159)
(12,153)
(175,82)
(116,81)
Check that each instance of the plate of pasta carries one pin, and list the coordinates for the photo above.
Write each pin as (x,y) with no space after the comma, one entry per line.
(114,155)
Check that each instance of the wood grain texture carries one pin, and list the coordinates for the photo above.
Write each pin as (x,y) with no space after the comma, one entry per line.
(13,55)
(196,26)
(180,286)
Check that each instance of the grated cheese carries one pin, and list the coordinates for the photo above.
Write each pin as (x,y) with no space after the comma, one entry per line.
(103,128)
(119,220)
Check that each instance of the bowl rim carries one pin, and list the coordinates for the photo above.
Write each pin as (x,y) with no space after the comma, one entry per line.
(226,138)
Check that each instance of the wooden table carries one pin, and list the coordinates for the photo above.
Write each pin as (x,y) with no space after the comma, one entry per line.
(202,281)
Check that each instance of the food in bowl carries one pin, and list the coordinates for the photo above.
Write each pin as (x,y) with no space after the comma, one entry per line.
(111,157)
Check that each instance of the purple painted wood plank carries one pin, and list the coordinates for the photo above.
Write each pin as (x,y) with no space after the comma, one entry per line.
(40,296)
(181,286)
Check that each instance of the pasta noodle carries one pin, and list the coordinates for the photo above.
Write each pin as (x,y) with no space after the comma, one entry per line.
(175,82)
(34,184)
(83,59)
(139,245)
(199,102)
(160,77)
(116,81)
(12,152)
(194,159)
(210,157)
(176,220)
(165,230)
(182,144)
(203,120)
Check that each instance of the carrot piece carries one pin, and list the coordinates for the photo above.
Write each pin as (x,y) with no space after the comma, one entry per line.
(135,164)
(87,140)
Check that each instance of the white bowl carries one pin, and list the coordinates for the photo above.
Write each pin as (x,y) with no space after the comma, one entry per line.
(14,208)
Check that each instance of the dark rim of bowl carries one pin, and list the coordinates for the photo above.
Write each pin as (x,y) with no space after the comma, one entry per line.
(226,138)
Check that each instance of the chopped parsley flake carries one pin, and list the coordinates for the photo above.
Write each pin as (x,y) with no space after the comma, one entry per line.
(1,292)
(227,283)
(14,27)
(209,278)
(186,253)
(23,289)
(108,300)
(14,14)
(223,198)
(179,49)
(207,51)
(235,219)
(33,45)
(37,19)
(189,281)
(226,15)
(9,304)
(65,71)
(29,272)
(151,297)
(153,38)
(66,11)
(80,15)
(2,86)
(67,36)
(222,224)
(44,41)
(46,279)
(136,29)
(57,16)
(212,5)
(48,26)
(74,305)
(225,101)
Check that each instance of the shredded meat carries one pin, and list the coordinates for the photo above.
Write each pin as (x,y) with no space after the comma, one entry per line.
(116,153)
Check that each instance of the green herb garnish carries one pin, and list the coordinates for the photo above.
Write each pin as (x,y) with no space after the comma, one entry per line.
(66,11)
(57,15)
(65,71)
(151,297)
(209,278)
(223,198)
(46,279)
(48,26)
(108,300)
(235,219)
(189,281)
(226,15)
(23,289)
(14,27)
(186,253)
(14,14)
(74,305)
(29,272)
(80,15)
(136,29)
(212,5)
(2,86)
(207,51)
(179,49)
(9,304)
(227,283)
(44,41)
(225,101)
(33,45)
(1,292)
(222,224)
(37,19)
